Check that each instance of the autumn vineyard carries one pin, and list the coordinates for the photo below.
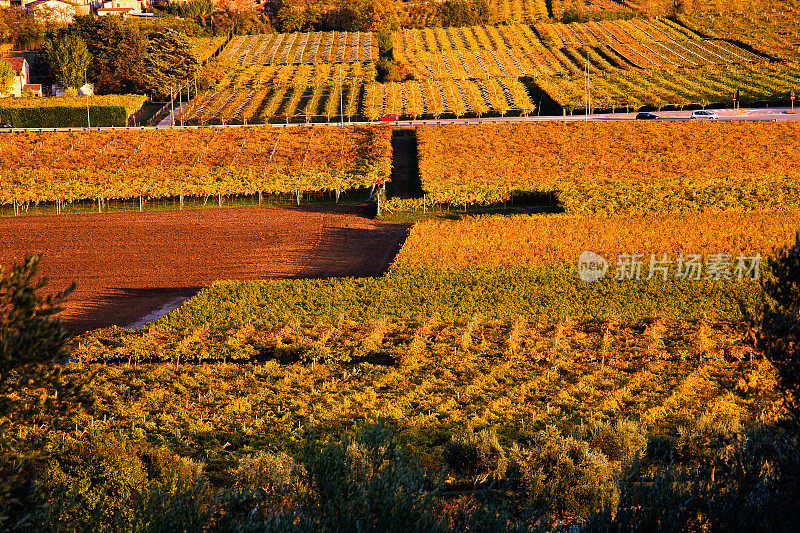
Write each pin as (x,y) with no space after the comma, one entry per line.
(503,322)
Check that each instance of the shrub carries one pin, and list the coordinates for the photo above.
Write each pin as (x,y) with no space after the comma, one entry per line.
(621,441)
(779,324)
(563,475)
(476,456)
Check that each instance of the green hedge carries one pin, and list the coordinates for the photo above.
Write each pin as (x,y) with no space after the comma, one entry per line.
(64,117)
(69,111)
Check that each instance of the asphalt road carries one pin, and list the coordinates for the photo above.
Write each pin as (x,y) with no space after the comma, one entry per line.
(771,114)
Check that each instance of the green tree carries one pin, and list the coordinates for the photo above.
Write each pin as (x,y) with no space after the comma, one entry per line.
(6,76)
(779,328)
(120,51)
(68,57)
(170,60)
(29,330)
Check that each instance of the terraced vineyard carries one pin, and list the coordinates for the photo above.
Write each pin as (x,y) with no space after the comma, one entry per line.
(519,10)
(287,77)
(433,97)
(291,93)
(301,48)
(547,49)
(531,11)
(632,63)
(775,33)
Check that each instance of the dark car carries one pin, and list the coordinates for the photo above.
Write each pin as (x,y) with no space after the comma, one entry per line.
(647,116)
(5,126)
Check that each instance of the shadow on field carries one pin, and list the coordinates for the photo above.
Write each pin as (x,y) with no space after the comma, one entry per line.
(126,307)
(342,251)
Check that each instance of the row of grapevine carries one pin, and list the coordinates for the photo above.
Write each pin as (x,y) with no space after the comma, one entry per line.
(300,48)
(657,89)
(546,240)
(434,98)
(546,49)
(516,11)
(166,162)
(260,94)
(768,33)
(594,167)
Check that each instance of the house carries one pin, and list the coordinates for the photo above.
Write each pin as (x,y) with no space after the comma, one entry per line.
(86,89)
(122,7)
(33,88)
(22,74)
(62,11)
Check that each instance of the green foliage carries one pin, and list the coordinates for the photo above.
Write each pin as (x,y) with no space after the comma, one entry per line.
(621,441)
(369,483)
(64,116)
(70,111)
(475,455)
(119,56)
(105,482)
(462,12)
(779,327)
(563,475)
(6,77)
(68,57)
(29,330)
(169,62)
(749,487)
(503,293)
(574,15)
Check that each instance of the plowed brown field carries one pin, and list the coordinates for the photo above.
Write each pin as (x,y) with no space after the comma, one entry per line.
(129,265)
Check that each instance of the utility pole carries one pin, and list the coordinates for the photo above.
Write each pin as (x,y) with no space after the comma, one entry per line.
(588,93)
(341,97)
(86,90)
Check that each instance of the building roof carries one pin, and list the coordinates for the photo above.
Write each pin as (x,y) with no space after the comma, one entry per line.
(17,63)
(37,3)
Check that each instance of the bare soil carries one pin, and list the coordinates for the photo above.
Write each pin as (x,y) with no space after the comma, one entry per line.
(128,265)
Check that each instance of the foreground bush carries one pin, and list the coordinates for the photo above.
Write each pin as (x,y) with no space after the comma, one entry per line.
(371,482)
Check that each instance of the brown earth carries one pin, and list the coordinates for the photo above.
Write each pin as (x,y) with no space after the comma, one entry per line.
(128,265)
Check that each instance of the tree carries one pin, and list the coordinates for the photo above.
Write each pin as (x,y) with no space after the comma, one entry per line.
(6,76)
(68,57)
(168,63)
(29,330)
(119,56)
(778,334)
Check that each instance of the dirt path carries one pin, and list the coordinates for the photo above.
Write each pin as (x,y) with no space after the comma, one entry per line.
(128,265)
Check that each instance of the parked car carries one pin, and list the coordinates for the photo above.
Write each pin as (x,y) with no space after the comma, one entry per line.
(703,113)
(5,126)
(647,116)
(389,117)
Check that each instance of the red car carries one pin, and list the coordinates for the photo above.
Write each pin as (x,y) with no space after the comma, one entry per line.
(389,117)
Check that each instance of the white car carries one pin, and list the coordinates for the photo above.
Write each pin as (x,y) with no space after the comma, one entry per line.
(702,113)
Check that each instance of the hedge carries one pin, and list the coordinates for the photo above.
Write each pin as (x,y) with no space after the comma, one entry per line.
(69,111)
